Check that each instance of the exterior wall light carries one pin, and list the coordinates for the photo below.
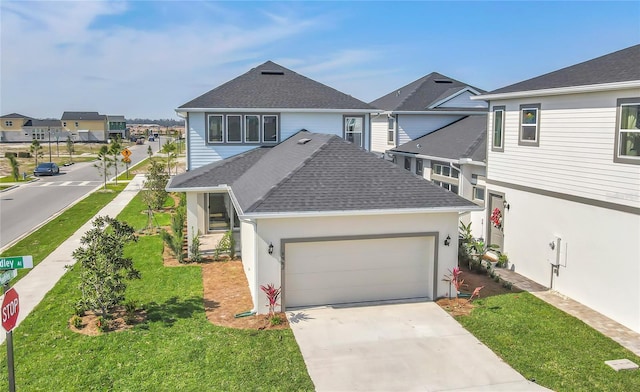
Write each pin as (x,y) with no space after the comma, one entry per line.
(447,241)
(270,248)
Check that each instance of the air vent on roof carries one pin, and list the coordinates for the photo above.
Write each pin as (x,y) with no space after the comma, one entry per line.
(304,141)
(443,81)
(267,72)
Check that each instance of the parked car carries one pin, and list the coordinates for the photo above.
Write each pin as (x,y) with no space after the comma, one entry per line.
(140,140)
(46,169)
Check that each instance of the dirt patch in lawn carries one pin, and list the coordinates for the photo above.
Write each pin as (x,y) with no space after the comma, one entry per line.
(473,279)
(90,324)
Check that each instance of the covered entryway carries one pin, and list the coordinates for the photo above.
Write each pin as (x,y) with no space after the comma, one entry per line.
(333,270)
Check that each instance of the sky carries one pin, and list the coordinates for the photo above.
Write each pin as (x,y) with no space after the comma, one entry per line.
(143,59)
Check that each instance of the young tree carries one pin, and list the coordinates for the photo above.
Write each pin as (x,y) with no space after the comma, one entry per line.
(104,163)
(149,152)
(70,148)
(169,148)
(15,167)
(114,150)
(103,267)
(156,183)
(36,150)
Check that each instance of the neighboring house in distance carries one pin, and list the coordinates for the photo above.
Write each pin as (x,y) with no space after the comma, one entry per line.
(453,157)
(44,130)
(265,106)
(85,126)
(11,127)
(327,221)
(564,181)
(117,127)
(420,107)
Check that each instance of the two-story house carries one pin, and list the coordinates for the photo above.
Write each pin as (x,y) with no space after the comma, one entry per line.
(421,107)
(85,126)
(11,128)
(563,181)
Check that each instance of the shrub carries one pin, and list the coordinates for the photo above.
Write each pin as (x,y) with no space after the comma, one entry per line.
(76,321)
(24,154)
(507,285)
(227,244)
(10,154)
(102,324)
(503,260)
(272,295)
(196,255)
(275,320)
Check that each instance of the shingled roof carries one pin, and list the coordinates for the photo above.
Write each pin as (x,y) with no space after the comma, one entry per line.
(423,93)
(620,66)
(88,116)
(465,138)
(312,172)
(43,123)
(272,86)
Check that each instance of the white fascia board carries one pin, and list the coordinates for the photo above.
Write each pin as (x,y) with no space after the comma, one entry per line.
(203,189)
(460,161)
(561,90)
(443,100)
(320,214)
(454,112)
(272,110)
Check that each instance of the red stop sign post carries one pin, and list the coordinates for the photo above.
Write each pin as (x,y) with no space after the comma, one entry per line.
(9,311)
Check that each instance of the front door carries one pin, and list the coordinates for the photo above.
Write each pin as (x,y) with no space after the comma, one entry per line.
(495,220)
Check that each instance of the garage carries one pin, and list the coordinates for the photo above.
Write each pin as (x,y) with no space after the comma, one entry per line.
(331,270)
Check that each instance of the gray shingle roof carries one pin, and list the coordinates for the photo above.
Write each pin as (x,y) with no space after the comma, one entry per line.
(620,66)
(326,173)
(14,115)
(43,123)
(421,94)
(82,116)
(115,118)
(272,86)
(465,138)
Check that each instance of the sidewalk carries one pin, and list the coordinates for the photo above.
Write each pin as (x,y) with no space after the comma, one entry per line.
(616,331)
(37,283)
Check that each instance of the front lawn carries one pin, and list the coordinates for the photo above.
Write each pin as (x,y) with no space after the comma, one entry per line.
(544,343)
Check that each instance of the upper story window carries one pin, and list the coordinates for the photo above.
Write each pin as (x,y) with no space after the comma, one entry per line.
(628,131)
(77,124)
(8,123)
(450,187)
(445,170)
(498,129)
(407,163)
(529,125)
(238,128)
(354,129)
(419,166)
(478,193)
(391,132)
(64,123)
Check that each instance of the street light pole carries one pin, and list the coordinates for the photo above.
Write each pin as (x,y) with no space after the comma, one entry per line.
(49,129)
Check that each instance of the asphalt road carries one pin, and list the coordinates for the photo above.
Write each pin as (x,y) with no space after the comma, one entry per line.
(25,208)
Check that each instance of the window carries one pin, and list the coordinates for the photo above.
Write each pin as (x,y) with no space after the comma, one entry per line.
(215,129)
(474,179)
(419,166)
(498,128)
(234,129)
(64,123)
(77,125)
(447,186)
(270,129)
(445,170)
(478,193)
(407,163)
(628,131)
(529,125)
(353,129)
(252,129)
(8,123)
(391,132)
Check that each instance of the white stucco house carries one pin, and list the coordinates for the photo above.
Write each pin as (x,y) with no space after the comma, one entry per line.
(421,107)
(563,174)
(324,220)
(452,157)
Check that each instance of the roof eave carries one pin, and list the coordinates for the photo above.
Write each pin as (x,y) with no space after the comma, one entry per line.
(458,161)
(561,90)
(399,211)
(461,112)
(270,110)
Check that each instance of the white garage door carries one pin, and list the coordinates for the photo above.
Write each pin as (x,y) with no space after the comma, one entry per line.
(332,272)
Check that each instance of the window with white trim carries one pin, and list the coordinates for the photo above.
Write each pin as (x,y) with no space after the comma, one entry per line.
(478,193)
(407,163)
(445,170)
(628,131)
(64,123)
(391,132)
(354,129)
(8,123)
(498,129)
(447,186)
(234,128)
(77,124)
(270,129)
(419,166)
(529,125)
(252,129)
(215,130)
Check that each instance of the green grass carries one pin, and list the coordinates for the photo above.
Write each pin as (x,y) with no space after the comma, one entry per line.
(135,214)
(3,187)
(6,179)
(176,349)
(544,343)
(46,239)
(123,175)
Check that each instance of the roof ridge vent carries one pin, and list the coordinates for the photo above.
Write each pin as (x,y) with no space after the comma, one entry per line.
(443,80)
(271,72)
(304,141)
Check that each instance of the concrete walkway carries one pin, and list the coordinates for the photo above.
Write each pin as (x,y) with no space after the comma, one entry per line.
(608,327)
(37,283)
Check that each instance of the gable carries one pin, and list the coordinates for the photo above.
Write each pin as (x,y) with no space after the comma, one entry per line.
(461,99)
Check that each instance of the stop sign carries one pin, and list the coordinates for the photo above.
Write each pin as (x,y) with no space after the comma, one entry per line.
(10,308)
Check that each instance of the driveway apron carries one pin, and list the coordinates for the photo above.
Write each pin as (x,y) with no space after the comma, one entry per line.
(397,347)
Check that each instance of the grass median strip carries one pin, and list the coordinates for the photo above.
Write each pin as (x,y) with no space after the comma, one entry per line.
(46,239)
(544,343)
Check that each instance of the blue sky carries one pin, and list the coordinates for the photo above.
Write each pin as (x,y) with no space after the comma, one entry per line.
(145,58)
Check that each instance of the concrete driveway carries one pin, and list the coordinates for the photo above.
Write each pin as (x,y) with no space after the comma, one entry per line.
(397,347)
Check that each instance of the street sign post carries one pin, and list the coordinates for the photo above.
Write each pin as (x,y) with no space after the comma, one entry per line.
(10,310)
(126,153)
(6,276)
(16,262)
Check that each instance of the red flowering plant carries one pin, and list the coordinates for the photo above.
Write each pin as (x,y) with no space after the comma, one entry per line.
(272,295)
(496,218)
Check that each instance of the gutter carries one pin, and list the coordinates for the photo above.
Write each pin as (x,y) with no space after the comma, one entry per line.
(460,161)
(320,214)
(560,90)
(272,110)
